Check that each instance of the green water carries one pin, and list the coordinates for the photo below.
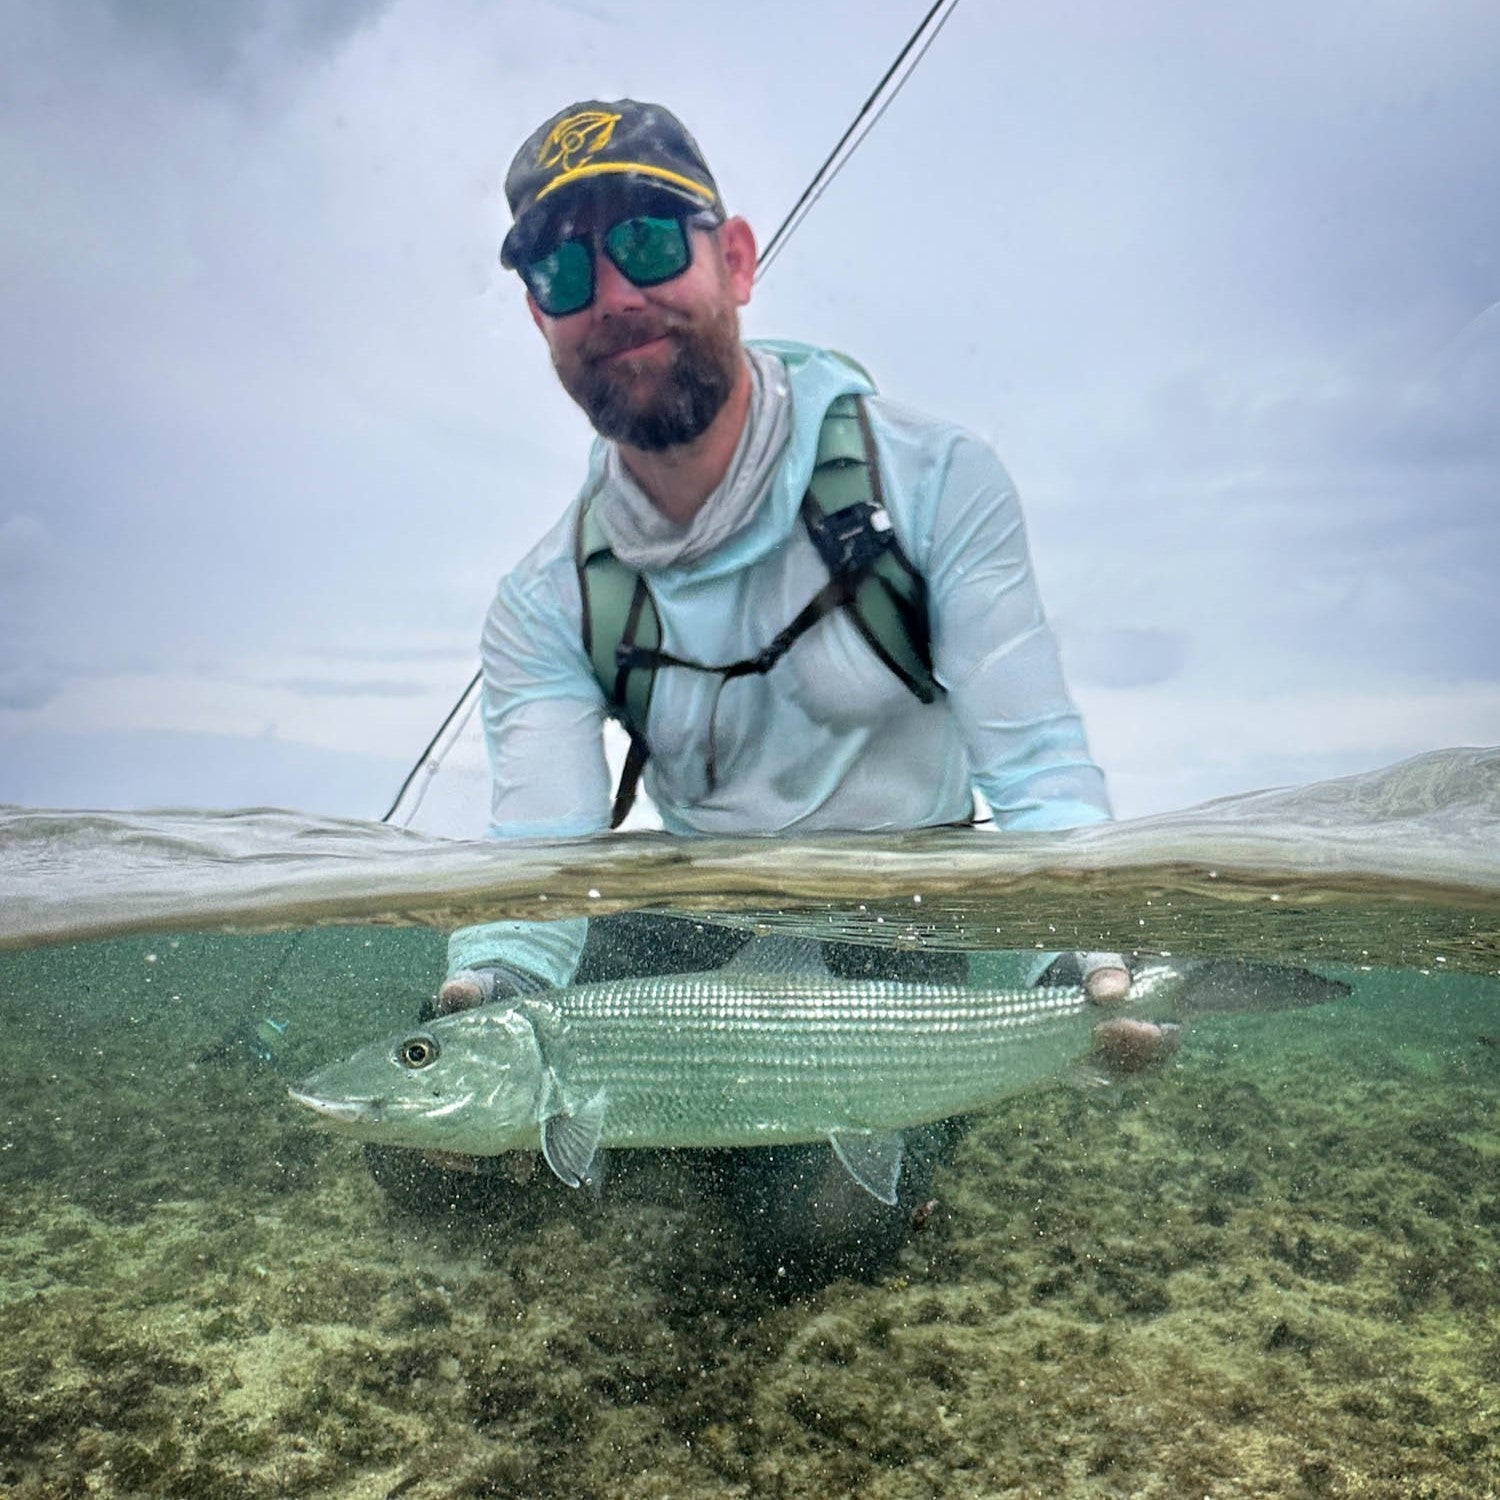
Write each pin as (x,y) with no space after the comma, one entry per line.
(1270,1270)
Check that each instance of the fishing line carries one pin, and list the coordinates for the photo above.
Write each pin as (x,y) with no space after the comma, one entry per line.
(883,94)
(424,761)
(427,762)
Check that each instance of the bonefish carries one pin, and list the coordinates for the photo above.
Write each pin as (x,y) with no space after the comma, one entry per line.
(769,1050)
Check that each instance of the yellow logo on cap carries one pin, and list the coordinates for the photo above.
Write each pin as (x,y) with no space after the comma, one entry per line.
(571,142)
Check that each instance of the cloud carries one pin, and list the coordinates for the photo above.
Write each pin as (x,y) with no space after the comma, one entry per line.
(25,543)
(350,720)
(164,768)
(227,44)
(334,687)
(1174,747)
(1329,519)
(1124,656)
(26,687)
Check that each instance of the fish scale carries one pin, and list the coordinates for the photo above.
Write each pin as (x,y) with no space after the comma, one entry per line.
(721,1060)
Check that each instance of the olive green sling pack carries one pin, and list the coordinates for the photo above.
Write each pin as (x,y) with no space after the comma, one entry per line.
(869,577)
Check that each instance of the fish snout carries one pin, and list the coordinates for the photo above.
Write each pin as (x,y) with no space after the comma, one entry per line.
(343,1111)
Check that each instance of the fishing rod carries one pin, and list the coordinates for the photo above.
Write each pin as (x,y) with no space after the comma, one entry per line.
(892,81)
(425,761)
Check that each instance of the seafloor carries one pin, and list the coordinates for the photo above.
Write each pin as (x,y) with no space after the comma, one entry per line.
(1271,1271)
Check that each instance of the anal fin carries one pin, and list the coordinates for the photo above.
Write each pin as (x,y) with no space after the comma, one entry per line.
(872,1158)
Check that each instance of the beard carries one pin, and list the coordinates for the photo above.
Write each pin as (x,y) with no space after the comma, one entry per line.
(656,408)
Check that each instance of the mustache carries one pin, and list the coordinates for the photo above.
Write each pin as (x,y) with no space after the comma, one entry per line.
(616,338)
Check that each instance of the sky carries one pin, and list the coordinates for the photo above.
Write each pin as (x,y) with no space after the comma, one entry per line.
(1220,283)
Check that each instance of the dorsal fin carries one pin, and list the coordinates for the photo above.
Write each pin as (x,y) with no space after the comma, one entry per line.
(778,954)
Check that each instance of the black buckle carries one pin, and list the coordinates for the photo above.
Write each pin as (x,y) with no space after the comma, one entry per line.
(852,539)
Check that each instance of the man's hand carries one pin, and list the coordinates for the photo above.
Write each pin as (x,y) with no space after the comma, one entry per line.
(1105,977)
(1126,1048)
(464,989)
(1123,1046)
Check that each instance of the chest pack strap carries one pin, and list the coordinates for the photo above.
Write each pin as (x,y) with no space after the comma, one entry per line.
(869,576)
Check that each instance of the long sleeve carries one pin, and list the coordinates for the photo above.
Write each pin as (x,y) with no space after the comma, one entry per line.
(543,722)
(996,655)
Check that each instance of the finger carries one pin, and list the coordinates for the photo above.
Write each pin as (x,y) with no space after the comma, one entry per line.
(462,992)
(1127,1047)
(1108,984)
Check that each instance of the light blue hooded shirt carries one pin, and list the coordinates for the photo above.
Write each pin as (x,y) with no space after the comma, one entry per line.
(829,739)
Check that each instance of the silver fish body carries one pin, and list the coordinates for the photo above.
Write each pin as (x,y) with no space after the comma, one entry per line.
(724,1058)
(720,1060)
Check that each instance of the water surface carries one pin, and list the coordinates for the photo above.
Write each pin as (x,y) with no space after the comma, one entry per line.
(1269,1270)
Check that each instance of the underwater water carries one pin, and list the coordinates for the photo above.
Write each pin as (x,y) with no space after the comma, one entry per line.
(1271,1268)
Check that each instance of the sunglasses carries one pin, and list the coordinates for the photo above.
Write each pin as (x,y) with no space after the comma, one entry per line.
(645,250)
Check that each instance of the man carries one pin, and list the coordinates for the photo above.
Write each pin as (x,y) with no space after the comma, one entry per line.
(778,689)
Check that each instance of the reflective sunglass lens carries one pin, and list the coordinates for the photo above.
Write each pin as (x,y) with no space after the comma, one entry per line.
(648,250)
(563,280)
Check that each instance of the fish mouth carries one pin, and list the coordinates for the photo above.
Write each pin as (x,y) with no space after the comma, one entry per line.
(343,1111)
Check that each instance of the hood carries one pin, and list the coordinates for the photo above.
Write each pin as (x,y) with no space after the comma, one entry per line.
(817,378)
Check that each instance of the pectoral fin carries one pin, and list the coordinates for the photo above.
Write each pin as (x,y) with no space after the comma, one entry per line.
(570,1141)
(872,1158)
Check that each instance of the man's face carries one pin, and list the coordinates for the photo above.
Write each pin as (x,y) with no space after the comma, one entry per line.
(652,367)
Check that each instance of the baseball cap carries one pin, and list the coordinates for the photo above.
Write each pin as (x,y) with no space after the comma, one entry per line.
(623,144)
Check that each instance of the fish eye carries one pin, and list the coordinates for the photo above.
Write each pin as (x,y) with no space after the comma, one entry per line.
(418,1051)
